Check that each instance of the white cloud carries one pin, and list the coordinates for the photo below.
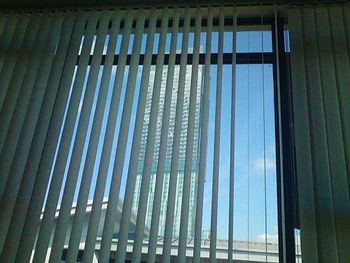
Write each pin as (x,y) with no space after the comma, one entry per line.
(260,164)
(270,238)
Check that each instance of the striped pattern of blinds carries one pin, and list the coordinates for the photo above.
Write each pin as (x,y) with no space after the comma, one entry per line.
(320,60)
(52,82)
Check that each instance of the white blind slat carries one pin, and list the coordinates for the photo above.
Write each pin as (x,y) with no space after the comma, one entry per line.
(232,139)
(94,140)
(124,133)
(123,137)
(153,239)
(38,176)
(6,113)
(75,163)
(15,140)
(78,96)
(3,19)
(136,141)
(76,157)
(23,38)
(216,159)
(10,42)
(302,144)
(346,18)
(190,141)
(37,98)
(330,96)
(32,122)
(321,76)
(340,32)
(113,198)
(19,112)
(170,211)
(59,169)
(319,149)
(203,142)
(17,76)
(341,195)
(5,36)
(146,173)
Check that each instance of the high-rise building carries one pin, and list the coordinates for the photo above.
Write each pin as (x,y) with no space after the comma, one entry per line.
(182,154)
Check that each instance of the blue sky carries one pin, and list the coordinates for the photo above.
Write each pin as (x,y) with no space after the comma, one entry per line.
(254,156)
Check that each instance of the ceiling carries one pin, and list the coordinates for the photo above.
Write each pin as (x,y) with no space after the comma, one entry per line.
(95,3)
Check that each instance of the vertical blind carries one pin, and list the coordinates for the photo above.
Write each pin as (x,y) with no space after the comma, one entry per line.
(320,60)
(80,99)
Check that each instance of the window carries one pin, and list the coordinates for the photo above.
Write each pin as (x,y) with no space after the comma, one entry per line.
(162,140)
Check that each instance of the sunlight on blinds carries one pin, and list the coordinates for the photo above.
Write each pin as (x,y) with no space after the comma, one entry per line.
(138,134)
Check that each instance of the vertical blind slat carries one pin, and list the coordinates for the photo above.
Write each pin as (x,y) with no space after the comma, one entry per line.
(44,142)
(232,139)
(319,145)
(10,112)
(340,32)
(189,142)
(203,142)
(153,239)
(131,175)
(123,133)
(75,163)
(18,134)
(94,140)
(42,43)
(346,19)
(59,167)
(7,27)
(10,42)
(113,199)
(3,19)
(168,235)
(17,76)
(330,98)
(216,159)
(37,98)
(321,78)
(16,122)
(78,97)
(22,40)
(32,121)
(302,141)
(146,173)
(341,189)
(76,158)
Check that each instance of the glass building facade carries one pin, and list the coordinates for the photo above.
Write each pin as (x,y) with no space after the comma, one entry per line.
(182,154)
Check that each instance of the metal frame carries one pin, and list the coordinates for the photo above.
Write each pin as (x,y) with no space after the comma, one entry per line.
(284,147)
(242,58)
